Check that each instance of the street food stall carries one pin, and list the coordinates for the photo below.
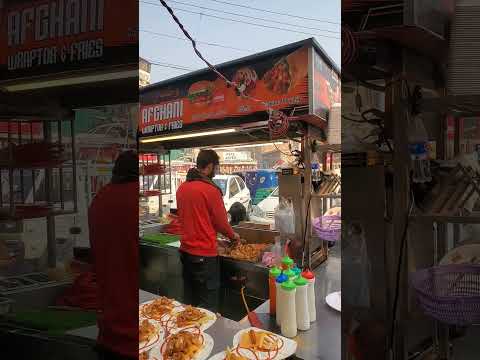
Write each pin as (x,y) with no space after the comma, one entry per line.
(297,85)
(48,71)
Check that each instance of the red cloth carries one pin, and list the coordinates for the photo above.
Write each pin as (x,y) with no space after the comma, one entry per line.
(175,227)
(113,222)
(82,294)
(202,213)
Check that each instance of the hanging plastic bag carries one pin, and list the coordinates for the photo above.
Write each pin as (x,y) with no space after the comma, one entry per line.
(285,218)
(355,267)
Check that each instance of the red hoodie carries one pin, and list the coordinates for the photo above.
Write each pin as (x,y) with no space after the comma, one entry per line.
(203,215)
(113,222)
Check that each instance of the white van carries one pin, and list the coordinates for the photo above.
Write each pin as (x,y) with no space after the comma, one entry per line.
(234,191)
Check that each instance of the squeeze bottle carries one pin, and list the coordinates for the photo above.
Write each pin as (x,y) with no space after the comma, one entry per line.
(297,271)
(279,301)
(301,304)
(310,277)
(287,263)
(290,273)
(272,290)
(288,326)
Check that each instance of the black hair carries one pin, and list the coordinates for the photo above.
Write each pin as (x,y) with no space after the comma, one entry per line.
(126,168)
(207,157)
(238,213)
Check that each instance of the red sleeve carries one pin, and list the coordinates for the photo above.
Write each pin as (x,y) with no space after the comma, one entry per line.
(219,215)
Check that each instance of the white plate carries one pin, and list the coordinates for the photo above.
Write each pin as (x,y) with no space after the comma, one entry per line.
(155,352)
(289,346)
(156,340)
(219,356)
(334,300)
(462,255)
(205,326)
(177,307)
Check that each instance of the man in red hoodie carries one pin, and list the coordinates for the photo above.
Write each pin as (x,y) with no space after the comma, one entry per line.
(113,223)
(202,213)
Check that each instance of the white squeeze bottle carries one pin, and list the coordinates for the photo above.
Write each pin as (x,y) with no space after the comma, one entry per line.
(279,296)
(288,325)
(310,277)
(301,304)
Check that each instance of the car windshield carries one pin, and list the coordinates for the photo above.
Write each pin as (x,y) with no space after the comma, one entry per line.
(222,184)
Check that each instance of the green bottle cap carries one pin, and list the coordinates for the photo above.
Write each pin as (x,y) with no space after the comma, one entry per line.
(275,272)
(287,261)
(290,273)
(301,281)
(288,285)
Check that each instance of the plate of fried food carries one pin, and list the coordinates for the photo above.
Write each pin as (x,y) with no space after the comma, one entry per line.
(149,334)
(257,344)
(190,344)
(159,308)
(228,354)
(194,317)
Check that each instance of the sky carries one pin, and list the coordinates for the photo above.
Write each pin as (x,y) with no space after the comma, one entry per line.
(177,56)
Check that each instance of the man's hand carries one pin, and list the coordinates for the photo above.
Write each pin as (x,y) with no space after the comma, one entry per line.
(236,238)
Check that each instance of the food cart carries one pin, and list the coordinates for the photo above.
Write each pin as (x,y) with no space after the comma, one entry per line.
(200,110)
(47,73)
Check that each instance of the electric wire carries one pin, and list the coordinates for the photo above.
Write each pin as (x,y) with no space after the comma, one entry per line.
(254,24)
(246,16)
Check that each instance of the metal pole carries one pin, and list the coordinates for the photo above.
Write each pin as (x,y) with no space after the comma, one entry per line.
(74,165)
(307,192)
(51,238)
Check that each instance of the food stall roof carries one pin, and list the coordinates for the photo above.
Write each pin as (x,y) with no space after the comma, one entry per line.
(279,50)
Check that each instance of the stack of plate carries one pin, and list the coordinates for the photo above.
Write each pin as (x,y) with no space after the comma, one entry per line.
(464,58)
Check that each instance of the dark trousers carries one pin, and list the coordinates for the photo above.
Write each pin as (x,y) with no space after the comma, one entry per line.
(201,280)
(104,354)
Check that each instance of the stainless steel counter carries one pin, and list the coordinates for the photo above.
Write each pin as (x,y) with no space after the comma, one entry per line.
(323,340)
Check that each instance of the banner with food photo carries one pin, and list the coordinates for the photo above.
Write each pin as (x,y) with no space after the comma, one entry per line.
(326,87)
(279,82)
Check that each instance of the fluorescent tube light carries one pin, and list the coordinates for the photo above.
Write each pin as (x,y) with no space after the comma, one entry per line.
(187,136)
(246,146)
(71,81)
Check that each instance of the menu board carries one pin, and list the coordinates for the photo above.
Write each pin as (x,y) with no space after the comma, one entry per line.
(277,82)
(52,36)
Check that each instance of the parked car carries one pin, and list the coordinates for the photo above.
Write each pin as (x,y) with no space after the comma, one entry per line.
(234,191)
(264,211)
(261,183)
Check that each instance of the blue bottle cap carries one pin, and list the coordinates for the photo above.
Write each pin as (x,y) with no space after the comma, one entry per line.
(281,278)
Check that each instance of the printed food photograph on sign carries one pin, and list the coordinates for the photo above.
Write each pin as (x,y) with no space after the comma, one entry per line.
(281,82)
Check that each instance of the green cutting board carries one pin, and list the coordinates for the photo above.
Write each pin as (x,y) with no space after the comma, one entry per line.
(54,322)
(161,239)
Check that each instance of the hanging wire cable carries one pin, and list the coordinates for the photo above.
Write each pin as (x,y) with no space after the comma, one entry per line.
(254,24)
(198,41)
(246,16)
(278,122)
(275,12)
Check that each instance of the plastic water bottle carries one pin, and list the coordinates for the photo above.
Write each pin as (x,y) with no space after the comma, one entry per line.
(288,325)
(418,148)
(279,300)
(301,304)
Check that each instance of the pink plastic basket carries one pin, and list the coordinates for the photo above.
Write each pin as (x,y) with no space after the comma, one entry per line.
(328,228)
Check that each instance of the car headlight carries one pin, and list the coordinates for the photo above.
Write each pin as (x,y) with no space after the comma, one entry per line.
(258,212)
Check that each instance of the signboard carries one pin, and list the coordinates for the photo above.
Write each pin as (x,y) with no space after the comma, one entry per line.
(326,87)
(53,36)
(236,156)
(280,82)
